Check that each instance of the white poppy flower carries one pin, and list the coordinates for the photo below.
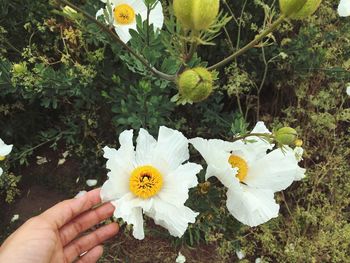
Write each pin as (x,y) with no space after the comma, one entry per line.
(124,16)
(151,179)
(250,173)
(4,149)
(344,8)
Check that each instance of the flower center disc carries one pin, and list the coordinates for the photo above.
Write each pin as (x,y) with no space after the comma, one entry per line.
(124,14)
(145,181)
(241,164)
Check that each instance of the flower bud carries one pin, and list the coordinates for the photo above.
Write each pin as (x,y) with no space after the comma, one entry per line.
(286,136)
(195,84)
(196,14)
(299,9)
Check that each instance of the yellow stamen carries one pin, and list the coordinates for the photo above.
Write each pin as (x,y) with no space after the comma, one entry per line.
(2,158)
(124,14)
(145,181)
(241,164)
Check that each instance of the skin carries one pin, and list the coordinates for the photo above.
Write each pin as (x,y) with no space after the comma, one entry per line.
(55,235)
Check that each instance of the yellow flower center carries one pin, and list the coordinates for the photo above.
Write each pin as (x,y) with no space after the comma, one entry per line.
(145,181)
(241,164)
(124,14)
(2,158)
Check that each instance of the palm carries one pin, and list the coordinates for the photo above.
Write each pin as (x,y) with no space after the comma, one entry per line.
(52,236)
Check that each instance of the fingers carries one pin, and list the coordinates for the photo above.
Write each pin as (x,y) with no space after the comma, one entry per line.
(85,243)
(92,256)
(65,211)
(85,221)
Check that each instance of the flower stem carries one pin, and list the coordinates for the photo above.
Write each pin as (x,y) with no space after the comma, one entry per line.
(267,136)
(115,37)
(250,45)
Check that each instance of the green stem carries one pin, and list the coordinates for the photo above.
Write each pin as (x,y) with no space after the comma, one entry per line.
(190,53)
(242,137)
(115,37)
(250,45)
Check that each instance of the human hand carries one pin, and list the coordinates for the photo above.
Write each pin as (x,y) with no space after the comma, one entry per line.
(54,236)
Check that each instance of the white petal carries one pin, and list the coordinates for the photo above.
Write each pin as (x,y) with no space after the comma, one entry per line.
(156,16)
(275,171)
(144,148)
(215,152)
(127,208)
(176,184)
(123,31)
(5,149)
(175,219)
(344,8)
(171,150)
(121,164)
(348,90)
(99,12)
(252,206)
(226,175)
(14,218)
(91,182)
(1,171)
(300,174)
(180,258)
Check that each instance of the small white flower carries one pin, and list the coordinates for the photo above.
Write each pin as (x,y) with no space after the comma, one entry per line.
(4,149)
(80,194)
(14,218)
(151,179)
(91,182)
(344,8)
(348,90)
(240,254)
(180,258)
(251,175)
(124,16)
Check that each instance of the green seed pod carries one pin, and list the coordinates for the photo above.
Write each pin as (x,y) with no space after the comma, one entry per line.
(195,84)
(196,14)
(286,136)
(289,7)
(296,9)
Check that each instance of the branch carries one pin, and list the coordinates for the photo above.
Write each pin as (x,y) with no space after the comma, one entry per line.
(242,137)
(250,45)
(115,37)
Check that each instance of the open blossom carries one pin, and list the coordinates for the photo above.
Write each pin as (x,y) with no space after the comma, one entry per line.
(251,175)
(5,149)
(124,15)
(151,179)
(344,8)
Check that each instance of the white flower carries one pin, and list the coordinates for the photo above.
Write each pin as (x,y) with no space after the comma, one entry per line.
(180,258)
(4,149)
(91,182)
(250,174)
(124,15)
(151,179)
(348,90)
(344,8)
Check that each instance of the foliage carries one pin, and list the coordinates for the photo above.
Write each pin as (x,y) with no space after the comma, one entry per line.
(67,86)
